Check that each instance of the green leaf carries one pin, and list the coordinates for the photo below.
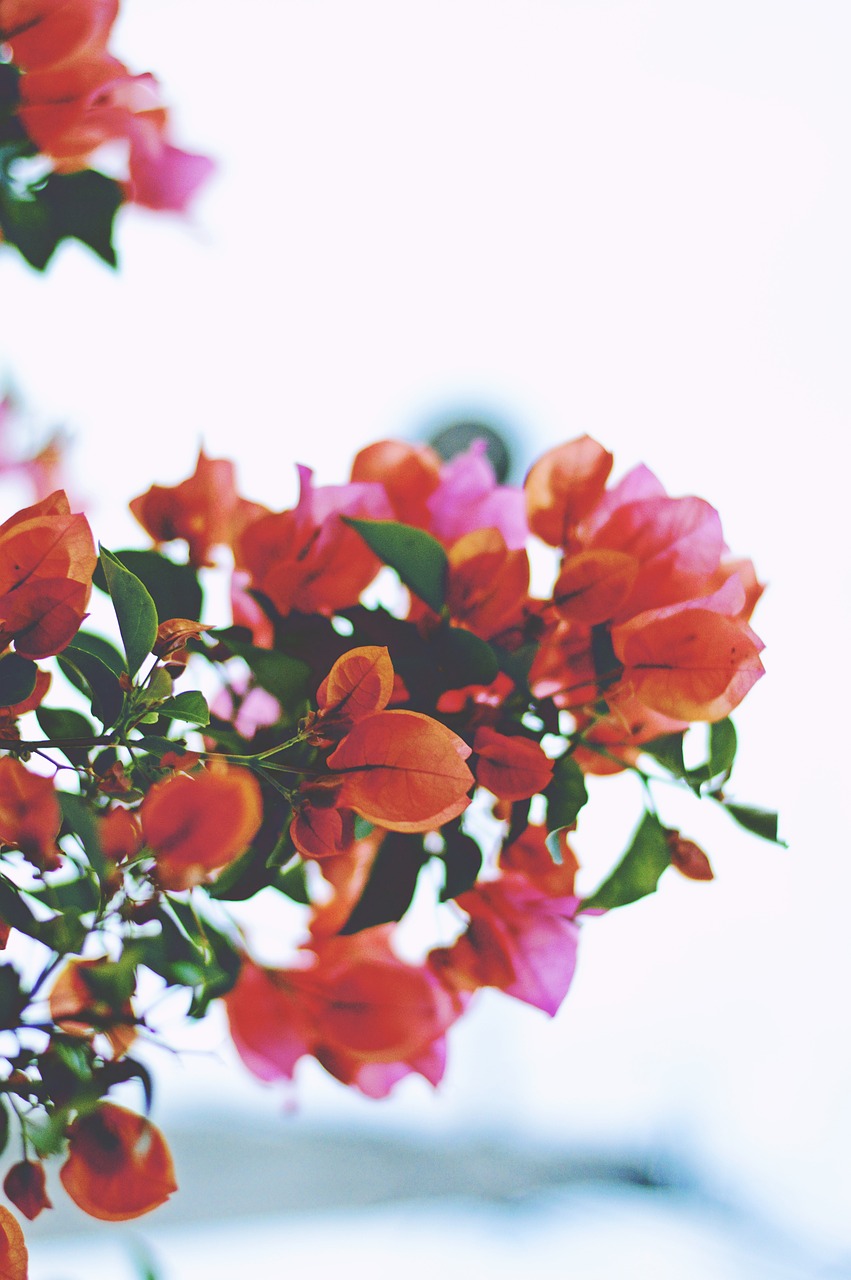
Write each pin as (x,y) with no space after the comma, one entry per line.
(98,647)
(12,999)
(292,883)
(62,723)
(668,750)
(722,747)
(38,217)
(288,679)
(77,817)
(639,870)
(174,588)
(417,557)
(134,608)
(462,858)
(83,205)
(762,822)
(95,680)
(17,679)
(190,706)
(566,794)
(4,1126)
(464,658)
(69,897)
(390,888)
(14,909)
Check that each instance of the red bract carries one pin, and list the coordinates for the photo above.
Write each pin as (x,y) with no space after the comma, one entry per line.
(197,823)
(563,486)
(307,559)
(519,939)
(24,1185)
(358,684)
(205,509)
(29,813)
(365,1015)
(402,770)
(512,768)
(487,584)
(118,1165)
(47,558)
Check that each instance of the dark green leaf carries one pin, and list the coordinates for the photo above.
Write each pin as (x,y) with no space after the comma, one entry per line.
(462,858)
(639,870)
(417,557)
(26,222)
(14,909)
(566,794)
(84,205)
(463,658)
(174,588)
(77,817)
(390,888)
(69,897)
(95,680)
(762,822)
(293,884)
(12,999)
(287,678)
(100,648)
(17,679)
(61,723)
(668,750)
(134,608)
(190,706)
(4,1125)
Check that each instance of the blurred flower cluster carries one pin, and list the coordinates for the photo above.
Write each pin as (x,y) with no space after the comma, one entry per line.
(392,697)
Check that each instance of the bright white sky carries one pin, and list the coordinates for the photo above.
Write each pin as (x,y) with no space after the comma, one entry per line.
(626,217)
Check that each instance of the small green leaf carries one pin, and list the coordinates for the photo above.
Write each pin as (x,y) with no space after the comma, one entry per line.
(174,588)
(417,557)
(17,679)
(566,795)
(84,205)
(61,723)
(4,1126)
(639,870)
(190,706)
(668,750)
(134,608)
(722,747)
(390,888)
(12,999)
(464,658)
(77,817)
(762,822)
(288,679)
(292,883)
(462,858)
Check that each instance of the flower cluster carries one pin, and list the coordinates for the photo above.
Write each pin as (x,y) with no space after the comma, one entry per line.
(393,697)
(63,99)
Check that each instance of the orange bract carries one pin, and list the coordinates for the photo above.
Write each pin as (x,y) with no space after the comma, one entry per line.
(197,823)
(118,1164)
(593,585)
(13,1251)
(512,768)
(47,558)
(359,683)
(29,813)
(563,486)
(403,770)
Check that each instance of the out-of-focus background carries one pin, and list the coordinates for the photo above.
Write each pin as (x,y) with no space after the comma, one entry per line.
(622,217)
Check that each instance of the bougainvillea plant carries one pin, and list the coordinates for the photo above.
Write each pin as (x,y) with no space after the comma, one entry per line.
(68,106)
(391,696)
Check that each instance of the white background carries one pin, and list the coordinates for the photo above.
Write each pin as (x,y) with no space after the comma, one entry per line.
(621,217)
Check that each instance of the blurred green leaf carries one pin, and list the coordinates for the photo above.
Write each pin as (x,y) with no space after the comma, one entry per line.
(639,870)
(95,680)
(17,679)
(762,822)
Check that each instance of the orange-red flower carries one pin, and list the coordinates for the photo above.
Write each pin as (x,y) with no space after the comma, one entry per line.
(47,558)
(78,1010)
(118,1164)
(204,509)
(197,823)
(24,1185)
(29,813)
(13,1250)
